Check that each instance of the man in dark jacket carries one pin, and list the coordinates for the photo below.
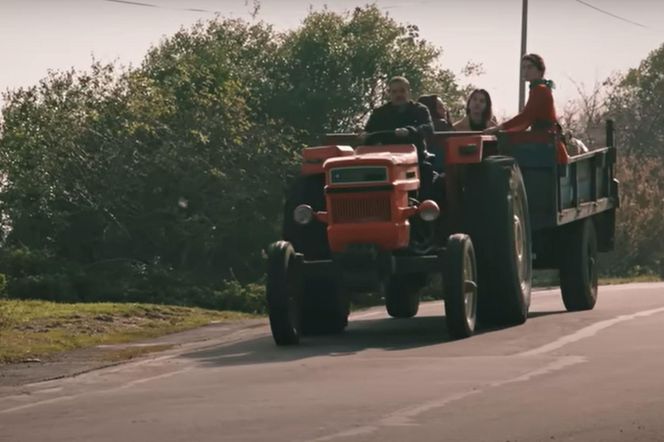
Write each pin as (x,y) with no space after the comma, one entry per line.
(411,123)
(407,118)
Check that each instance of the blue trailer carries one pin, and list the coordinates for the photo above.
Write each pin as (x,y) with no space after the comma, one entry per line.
(572,207)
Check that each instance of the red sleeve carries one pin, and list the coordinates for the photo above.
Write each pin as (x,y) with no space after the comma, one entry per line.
(538,102)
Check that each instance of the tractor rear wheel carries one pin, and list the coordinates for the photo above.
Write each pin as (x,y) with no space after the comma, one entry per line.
(499,224)
(282,291)
(402,297)
(578,266)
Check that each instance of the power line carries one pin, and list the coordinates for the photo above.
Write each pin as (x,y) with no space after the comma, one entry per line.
(611,14)
(147,5)
(151,5)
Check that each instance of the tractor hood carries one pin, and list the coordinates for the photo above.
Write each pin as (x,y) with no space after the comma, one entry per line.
(387,165)
(387,155)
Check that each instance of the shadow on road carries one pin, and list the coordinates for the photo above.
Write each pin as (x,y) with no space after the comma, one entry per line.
(385,334)
(534,315)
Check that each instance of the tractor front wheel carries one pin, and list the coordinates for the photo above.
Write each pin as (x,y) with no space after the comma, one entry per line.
(282,292)
(460,286)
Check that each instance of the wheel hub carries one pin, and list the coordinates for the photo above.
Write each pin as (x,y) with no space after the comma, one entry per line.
(520,244)
(470,290)
(518,240)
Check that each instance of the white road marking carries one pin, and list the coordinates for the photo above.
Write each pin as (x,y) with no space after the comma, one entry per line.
(93,393)
(587,332)
(406,416)
(232,339)
(241,335)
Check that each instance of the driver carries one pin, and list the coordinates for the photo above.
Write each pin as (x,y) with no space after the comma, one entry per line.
(411,123)
(406,117)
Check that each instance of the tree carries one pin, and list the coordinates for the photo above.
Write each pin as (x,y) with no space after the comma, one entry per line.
(637,105)
(174,165)
(162,181)
(334,69)
(635,101)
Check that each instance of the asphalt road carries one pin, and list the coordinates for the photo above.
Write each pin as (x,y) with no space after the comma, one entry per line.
(590,376)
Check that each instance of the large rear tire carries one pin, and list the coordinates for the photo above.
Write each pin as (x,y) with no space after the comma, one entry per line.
(499,223)
(578,266)
(460,286)
(282,292)
(402,297)
(324,307)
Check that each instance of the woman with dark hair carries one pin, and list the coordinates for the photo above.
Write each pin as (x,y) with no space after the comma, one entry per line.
(439,114)
(479,112)
(540,112)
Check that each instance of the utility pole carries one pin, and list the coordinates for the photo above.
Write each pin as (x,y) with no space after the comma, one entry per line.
(524,37)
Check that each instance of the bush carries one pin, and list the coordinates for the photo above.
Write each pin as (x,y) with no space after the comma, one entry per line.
(161,182)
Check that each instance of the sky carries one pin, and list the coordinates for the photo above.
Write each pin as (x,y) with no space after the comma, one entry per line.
(581,45)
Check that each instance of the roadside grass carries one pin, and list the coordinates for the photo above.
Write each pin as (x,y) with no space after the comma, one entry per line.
(549,278)
(629,280)
(36,329)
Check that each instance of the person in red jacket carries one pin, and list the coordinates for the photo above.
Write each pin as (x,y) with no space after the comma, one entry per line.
(540,112)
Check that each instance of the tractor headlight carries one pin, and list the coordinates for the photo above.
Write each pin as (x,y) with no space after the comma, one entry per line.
(429,210)
(303,214)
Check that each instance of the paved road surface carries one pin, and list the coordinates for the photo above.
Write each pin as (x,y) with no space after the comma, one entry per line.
(590,376)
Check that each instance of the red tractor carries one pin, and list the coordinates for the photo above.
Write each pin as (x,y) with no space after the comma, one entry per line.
(358,219)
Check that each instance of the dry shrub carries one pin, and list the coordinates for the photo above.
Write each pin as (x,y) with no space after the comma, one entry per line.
(640,219)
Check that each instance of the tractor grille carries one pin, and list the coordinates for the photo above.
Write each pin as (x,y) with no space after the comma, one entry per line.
(364,209)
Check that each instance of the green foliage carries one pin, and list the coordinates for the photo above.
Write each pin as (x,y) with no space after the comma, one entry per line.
(639,230)
(164,182)
(333,70)
(637,105)
(166,165)
(160,183)
(635,101)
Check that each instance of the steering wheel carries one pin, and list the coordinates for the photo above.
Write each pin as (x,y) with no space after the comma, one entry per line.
(390,137)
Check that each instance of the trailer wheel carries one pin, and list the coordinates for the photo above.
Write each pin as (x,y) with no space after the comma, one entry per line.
(460,286)
(499,223)
(578,266)
(282,294)
(324,307)
(402,297)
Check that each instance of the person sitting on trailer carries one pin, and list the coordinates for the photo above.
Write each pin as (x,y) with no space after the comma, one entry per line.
(540,112)
(479,113)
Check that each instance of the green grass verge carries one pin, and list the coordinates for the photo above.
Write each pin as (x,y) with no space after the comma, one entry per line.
(34,329)
(549,278)
(629,280)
